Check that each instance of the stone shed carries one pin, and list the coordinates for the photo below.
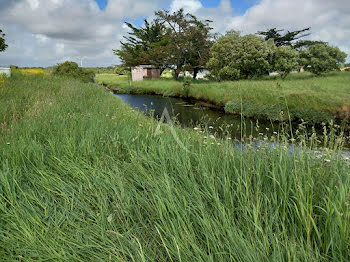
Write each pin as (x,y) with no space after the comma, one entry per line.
(142,72)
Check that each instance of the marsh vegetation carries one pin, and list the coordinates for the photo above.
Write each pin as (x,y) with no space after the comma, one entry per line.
(84,177)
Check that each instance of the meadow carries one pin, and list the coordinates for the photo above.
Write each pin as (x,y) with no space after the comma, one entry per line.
(300,96)
(84,177)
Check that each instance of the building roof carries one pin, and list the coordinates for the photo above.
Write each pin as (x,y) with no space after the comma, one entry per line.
(147,66)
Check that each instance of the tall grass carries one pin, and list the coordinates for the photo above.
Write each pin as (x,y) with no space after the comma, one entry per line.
(308,97)
(84,178)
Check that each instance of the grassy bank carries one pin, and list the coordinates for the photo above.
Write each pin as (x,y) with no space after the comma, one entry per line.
(303,96)
(85,178)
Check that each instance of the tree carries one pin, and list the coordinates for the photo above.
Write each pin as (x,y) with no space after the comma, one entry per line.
(71,69)
(235,57)
(121,70)
(188,40)
(145,45)
(322,58)
(171,40)
(290,38)
(3,45)
(284,60)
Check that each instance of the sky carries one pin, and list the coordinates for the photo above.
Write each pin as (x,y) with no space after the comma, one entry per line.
(47,32)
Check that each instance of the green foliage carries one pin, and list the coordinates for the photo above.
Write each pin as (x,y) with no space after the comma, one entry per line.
(290,38)
(102,70)
(235,57)
(285,59)
(186,85)
(145,45)
(3,44)
(71,69)
(14,67)
(322,58)
(171,40)
(121,70)
(250,109)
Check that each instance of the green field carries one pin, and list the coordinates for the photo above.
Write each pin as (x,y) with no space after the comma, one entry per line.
(300,96)
(85,178)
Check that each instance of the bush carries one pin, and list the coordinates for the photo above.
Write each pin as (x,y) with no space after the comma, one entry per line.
(71,69)
(13,67)
(121,70)
(186,85)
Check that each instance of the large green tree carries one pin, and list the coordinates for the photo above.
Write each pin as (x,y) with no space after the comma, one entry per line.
(235,57)
(322,58)
(175,40)
(189,40)
(145,45)
(284,60)
(3,45)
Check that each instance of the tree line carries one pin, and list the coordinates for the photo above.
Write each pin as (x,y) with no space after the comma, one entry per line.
(181,42)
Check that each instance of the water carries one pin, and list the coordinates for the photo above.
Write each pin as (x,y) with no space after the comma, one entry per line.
(189,114)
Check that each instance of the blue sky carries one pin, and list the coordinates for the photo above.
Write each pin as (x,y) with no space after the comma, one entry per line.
(240,6)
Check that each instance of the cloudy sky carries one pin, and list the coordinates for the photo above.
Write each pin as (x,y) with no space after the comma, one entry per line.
(46,32)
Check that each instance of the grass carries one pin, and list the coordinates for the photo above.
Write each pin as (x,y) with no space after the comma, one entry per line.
(304,96)
(85,178)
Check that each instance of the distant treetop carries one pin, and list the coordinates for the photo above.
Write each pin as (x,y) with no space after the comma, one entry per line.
(290,38)
(3,45)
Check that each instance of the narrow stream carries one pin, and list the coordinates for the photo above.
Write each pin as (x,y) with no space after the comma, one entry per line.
(192,115)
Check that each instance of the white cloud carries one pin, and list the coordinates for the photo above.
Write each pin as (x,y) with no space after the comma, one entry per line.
(190,6)
(329,20)
(34,4)
(44,32)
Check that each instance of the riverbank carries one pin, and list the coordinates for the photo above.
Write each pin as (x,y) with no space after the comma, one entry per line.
(84,177)
(315,99)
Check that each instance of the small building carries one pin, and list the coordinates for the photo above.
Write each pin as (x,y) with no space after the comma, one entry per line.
(142,72)
(5,71)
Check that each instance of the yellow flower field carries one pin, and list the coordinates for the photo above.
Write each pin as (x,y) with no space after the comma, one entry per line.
(32,71)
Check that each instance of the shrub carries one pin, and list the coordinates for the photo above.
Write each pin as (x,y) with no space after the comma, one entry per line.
(71,69)
(13,67)
(121,70)
(186,85)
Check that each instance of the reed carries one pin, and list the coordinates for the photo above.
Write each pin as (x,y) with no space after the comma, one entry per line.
(85,178)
